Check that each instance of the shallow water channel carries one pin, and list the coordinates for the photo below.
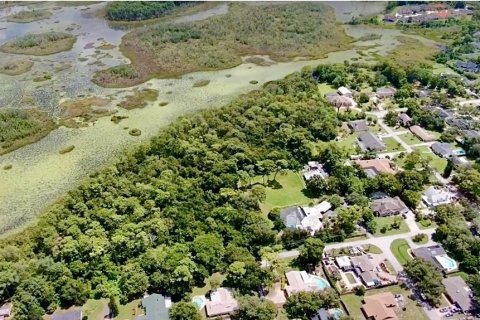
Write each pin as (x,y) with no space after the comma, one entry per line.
(40,175)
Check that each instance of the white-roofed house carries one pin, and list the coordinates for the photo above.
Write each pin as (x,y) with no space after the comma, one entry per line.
(435,196)
(344,262)
(345,92)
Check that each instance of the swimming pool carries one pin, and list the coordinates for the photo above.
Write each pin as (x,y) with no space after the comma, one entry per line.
(318,281)
(459,152)
(446,262)
(199,302)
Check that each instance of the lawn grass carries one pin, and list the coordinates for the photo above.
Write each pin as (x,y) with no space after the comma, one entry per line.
(461,274)
(353,303)
(423,149)
(426,223)
(130,310)
(325,88)
(399,248)
(93,309)
(392,145)
(437,162)
(371,248)
(349,142)
(288,192)
(201,291)
(423,241)
(387,222)
(410,138)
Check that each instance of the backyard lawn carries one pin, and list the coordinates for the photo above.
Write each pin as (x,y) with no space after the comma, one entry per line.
(392,145)
(384,224)
(349,142)
(400,249)
(93,309)
(130,310)
(354,303)
(371,248)
(426,223)
(325,88)
(435,161)
(410,138)
(288,192)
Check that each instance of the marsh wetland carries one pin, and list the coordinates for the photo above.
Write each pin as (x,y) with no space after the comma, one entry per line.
(38,174)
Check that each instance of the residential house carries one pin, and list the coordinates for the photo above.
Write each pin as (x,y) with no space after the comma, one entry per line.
(155,307)
(380,306)
(358,126)
(404,120)
(314,169)
(341,101)
(374,167)
(370,142)
(299,281)
(468,66)
(436,196)
(388,206)
(459,123)
(389,18)
(471,134)
(221,304)
(459,293)
(422,134)
(364,269)
(442,149)
(443,113)
(386,92)
(343,91)
(344,263)
(437,256)
(68,315)
(459,162)
(307,218)
(6,310)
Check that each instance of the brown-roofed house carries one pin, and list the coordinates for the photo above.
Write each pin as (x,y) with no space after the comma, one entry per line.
(358,125)
(388,206)
(422,134)
(404,119)
(380,307)
(374,167)
(221,303)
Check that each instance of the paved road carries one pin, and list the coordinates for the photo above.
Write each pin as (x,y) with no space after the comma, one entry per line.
(382,242)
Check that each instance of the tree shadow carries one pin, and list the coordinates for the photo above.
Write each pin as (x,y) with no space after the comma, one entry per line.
(307,193)
(274,184)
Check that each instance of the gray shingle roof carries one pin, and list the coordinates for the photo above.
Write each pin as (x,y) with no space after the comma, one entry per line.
(442,149)
(155,308)
(369,141)
(69,315)
(459,292)
(358,125)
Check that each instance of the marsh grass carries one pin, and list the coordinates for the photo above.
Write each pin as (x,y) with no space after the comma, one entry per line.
(40,44)
(29,16)
(139,99)
(67,149)
(15,68)
(281,31)
(201,83)
(21,127)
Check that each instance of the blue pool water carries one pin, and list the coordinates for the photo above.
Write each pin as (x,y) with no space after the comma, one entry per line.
(320,282)
(446,262)
(199,302)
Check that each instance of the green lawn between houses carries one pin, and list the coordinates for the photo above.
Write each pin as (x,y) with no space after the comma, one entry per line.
(392,145)
(399,248)
(387,222)
(410,138)
(324,88)
(353,303)
(288,192)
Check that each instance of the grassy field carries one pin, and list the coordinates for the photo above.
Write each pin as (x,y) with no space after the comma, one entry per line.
(349,142)
(282,31)
(40,44)
(129,311)
(324,88)
(139,99)
(392,145)
(29,16)
(386,222)
(410,138)
(288,192)
(435,161)
(15,68)
(410,52)
(412,311)
(399,249)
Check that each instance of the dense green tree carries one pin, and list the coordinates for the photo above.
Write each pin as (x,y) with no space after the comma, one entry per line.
(426,278)
(303,305)
(184,311)
(311,253)
(254,308)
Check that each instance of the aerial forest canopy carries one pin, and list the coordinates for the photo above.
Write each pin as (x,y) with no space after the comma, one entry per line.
(172,212)
(282,31)
(140,10)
